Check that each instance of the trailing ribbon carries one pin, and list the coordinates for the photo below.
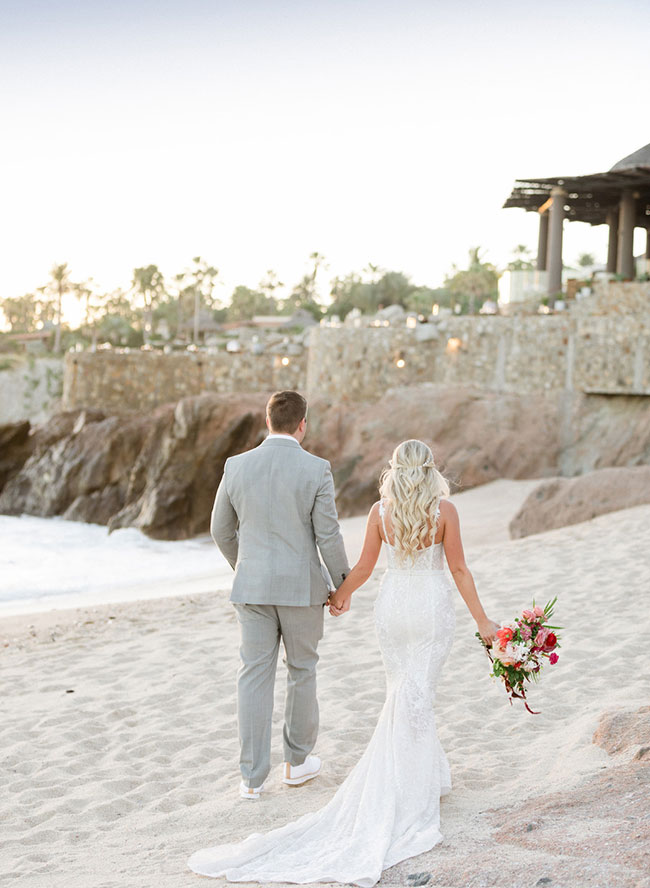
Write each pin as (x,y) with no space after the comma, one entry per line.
(511,691)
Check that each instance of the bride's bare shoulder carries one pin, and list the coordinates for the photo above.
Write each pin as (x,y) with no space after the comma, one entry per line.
(447,509)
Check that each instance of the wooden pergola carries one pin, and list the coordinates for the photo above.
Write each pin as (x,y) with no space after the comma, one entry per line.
(619,198)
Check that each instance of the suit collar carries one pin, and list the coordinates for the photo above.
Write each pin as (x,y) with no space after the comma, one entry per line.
(280,442)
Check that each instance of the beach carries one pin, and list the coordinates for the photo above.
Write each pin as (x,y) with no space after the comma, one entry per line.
(119,740)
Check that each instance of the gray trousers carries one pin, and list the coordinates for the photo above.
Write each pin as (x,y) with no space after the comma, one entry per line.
(261,627)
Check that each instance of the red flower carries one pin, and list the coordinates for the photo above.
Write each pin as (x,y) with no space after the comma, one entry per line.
(551,641)
(553,659)
(505,635)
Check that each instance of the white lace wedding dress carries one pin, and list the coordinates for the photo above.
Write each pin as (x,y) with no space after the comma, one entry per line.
(388,808)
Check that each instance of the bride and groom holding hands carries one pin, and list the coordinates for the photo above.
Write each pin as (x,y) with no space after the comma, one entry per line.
(274,512)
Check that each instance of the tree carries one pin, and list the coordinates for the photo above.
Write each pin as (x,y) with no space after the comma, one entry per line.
(54,291)
(586,260)
(392,288)
(246,303)
(477,282)
(268,286)
(148,283)
(94,303)
(305,294)
(21,313)
(522,259)
(196,286)
(346,293)
(422,299)
(117,324)
(384,288)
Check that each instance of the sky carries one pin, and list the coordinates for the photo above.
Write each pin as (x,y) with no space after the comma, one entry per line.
(254,133)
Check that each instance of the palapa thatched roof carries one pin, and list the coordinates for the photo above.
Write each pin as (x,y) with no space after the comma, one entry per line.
(590,198)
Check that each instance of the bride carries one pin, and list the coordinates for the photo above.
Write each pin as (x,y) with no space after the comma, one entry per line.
(388,808)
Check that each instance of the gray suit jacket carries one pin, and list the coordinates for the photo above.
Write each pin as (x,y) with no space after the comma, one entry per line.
(274,506)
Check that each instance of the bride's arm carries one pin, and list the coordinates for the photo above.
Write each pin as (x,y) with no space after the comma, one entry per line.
(461,573)
(340,600)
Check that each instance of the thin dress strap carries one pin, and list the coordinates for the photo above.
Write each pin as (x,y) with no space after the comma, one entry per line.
(433,538)
(382,512)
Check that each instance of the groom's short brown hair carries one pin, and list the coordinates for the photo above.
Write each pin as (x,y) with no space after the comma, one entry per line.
(285,411)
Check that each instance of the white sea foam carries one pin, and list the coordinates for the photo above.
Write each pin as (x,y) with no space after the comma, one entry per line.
(49,562)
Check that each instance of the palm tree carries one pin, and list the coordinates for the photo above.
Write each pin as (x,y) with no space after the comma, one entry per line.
(148,283)
(58,285)
(197,282)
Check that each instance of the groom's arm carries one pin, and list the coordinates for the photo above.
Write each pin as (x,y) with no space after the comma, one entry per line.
(327,531)
(224,524)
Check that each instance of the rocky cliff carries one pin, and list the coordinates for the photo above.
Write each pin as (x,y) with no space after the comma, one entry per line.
(158,471)
(478,436)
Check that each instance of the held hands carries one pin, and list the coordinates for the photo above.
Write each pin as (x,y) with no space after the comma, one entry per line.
(338,604)
(487,629)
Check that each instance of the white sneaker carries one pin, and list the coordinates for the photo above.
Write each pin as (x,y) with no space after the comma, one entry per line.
(247,792)
(294,775)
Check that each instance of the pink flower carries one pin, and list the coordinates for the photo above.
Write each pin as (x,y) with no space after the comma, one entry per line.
(538,611)
(525,632)
(540,638)
(553,659)
(528,615)
(507,655)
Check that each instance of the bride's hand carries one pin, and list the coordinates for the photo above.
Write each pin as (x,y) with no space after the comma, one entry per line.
(338,605)
(488,629)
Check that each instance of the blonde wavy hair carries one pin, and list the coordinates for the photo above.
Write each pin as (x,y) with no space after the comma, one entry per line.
(412,486)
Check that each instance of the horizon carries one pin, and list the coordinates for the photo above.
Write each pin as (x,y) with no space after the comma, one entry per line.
(254,135)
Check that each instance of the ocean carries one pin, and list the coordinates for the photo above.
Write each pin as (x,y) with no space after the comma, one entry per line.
(48,563)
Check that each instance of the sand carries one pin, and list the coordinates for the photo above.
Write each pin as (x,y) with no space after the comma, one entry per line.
(118,732)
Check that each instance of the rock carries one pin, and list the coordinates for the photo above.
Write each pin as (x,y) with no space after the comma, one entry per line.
(618,730)
(476,437)
(417,879)
(563,501)
(426,333)
(14,449)
(158,471)
(602,818)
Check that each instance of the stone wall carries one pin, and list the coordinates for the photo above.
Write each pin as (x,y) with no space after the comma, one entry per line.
(121,382)
(617,298)
(30,387)
(602,345)
(605,354)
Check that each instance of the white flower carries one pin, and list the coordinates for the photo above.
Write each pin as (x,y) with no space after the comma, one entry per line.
(521,651)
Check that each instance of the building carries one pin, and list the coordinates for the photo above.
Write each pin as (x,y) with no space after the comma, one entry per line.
(619,198)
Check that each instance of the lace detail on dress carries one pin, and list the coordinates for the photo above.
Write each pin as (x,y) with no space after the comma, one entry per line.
(388,808)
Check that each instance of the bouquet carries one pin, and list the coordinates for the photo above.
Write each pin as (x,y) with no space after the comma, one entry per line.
(521,648)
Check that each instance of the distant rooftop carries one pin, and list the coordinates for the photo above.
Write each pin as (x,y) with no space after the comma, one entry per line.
(589,198)
(636,159)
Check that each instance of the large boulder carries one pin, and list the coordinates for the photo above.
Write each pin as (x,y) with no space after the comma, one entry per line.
(14,449)
(157,471)
(563,501)
(476,437)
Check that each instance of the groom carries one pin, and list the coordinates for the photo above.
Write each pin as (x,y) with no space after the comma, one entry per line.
(274,507)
